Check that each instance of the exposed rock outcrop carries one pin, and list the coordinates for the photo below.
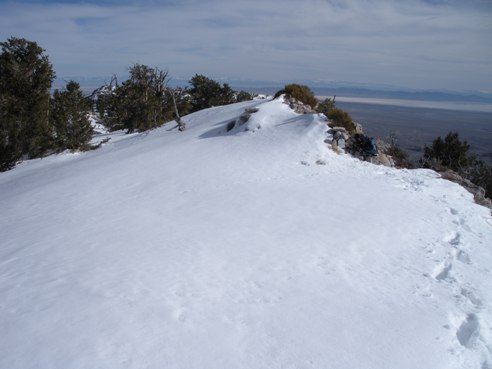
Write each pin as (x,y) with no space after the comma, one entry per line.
(298,106)
(342,141)
(477,191)
(242,119)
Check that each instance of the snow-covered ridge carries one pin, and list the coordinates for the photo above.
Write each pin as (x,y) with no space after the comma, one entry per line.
(240,246)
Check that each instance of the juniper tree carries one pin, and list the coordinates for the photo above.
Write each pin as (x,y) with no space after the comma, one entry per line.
(243,96)
(227,95)
(25,81)
(452,153)
(182,98)
(140,103)
(206,92)
(69,116)
(102,101)
(448,153)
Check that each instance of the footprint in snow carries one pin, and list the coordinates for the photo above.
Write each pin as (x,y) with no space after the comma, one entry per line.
(474,300)
(462,256)
(468,331)
(459,221)
(453,238)
(443,271)
(180,315)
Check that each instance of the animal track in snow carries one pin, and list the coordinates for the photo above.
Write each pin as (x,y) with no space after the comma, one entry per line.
(468,331)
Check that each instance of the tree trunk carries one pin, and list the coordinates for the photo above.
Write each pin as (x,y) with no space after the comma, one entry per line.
(181,124)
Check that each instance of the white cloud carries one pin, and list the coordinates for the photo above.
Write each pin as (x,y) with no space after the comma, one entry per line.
(414,43)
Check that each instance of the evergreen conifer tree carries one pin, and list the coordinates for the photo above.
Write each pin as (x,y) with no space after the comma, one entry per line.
(140,103)
(69,110)
(206,92)
(25,81)
(448,153)
(243,96)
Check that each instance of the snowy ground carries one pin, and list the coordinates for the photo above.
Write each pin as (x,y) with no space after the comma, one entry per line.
(241,249)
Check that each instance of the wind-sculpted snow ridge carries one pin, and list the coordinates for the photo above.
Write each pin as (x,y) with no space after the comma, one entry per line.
(240,243)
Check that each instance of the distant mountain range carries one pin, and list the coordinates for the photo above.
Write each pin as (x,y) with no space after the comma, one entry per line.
(477,97)
(320,88)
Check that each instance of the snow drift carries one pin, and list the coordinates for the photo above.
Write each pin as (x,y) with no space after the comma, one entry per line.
(239,245)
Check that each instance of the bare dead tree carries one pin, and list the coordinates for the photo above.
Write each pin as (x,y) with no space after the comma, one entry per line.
(114,82)
(181,124)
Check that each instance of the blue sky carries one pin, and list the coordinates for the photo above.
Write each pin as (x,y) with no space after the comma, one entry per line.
(417,44)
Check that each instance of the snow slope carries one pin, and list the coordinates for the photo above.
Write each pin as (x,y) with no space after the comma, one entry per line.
(254,248)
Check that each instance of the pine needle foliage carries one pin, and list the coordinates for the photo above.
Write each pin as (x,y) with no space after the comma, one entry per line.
(69,117)
(26,76)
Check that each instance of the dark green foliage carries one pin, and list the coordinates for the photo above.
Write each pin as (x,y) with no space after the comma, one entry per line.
(206,92)
(299,92)
(140,103)
(449,153)
(10,145)
(183,100)
(102,101)
(69,111)
(400,157)
(479,173)
(243,96)
(25,80)
(337,116)
(103,105)
(340,118)
(227,95)
(110,108)
(325,106)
